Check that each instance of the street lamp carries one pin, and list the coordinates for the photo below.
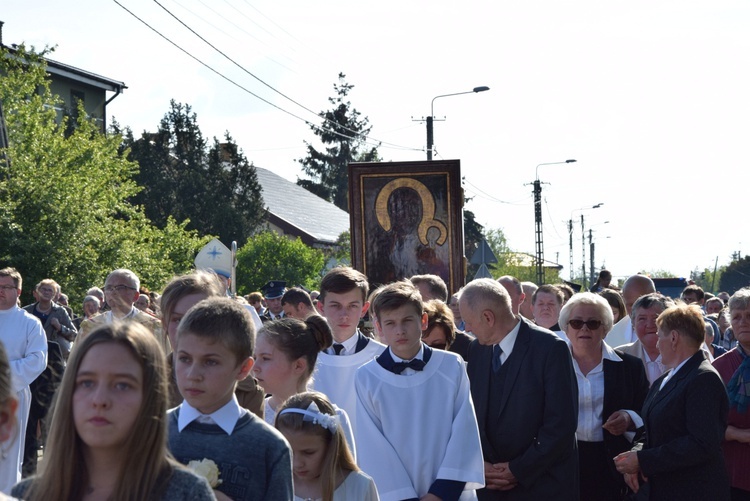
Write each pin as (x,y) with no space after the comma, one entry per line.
(570,235)
(432,115)
(592,266)
(538,222)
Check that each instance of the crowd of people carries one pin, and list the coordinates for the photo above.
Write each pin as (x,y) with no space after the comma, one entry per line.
(502,391)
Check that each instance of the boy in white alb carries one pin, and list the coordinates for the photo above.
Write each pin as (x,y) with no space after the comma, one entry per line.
(343,301)
(416,431)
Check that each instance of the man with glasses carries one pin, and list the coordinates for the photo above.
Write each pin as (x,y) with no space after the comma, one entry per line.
(60,333)
(26,345)
(55,319)
(121,292)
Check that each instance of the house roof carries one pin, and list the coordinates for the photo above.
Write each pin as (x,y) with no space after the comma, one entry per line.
(300,212)
(77,74)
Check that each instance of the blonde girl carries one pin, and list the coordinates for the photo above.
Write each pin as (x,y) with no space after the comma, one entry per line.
(323,466)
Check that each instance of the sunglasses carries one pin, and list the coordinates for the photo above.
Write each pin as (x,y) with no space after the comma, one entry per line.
(591,324)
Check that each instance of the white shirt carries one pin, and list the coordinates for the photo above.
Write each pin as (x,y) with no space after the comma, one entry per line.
(110,317)
(591,399)
(409,371)
(654,368)
(508,342)
(672,372)
(350,345)
(226,417)
(622,333)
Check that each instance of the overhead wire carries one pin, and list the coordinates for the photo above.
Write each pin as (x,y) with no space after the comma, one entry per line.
(356,133)
(365,139)
(490,197)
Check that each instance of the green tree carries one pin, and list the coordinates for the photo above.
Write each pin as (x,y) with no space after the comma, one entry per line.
(736,275)
(707,278)
(658,273)
(183,176)
(270,256)
(343,133)
(510,262)
(64,210)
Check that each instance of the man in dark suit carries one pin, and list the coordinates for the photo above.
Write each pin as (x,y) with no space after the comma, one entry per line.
(526,399)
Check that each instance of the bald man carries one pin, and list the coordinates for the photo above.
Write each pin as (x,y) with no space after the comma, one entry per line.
(633,288)
(515,291)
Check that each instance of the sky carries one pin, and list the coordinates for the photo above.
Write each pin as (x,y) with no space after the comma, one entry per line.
(649,97)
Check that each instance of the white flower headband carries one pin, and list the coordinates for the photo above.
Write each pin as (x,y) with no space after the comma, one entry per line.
(312,413)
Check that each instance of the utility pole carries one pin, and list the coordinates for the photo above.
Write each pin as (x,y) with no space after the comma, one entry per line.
(583,249)
(570,235)
(591,252)
(539,255)
(539,232)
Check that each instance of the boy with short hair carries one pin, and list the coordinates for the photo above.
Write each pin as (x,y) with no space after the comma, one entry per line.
(417,431)
(215,342)
(343,301)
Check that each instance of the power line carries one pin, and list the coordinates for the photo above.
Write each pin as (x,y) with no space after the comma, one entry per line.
(238,65)
(307,122)
(492,197)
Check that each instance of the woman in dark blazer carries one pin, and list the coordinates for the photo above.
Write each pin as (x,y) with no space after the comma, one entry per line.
(611,389)
(685,417)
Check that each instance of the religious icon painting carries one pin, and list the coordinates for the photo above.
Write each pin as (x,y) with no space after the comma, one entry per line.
(406,219)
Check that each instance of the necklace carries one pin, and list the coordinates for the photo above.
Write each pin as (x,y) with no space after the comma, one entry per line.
(43,311)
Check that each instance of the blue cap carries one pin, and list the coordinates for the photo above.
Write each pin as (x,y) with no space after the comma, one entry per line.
(273,289)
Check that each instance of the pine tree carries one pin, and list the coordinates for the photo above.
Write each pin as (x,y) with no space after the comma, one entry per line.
(343,133)
(215,187)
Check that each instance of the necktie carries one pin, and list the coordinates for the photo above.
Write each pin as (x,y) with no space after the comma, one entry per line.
(337,348)
(415,364)
(496,354)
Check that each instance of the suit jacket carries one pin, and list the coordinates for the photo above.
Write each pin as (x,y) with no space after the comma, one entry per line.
(535,429)
(685,423)
(625,387)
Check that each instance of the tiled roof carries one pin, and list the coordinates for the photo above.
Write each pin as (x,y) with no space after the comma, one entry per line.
(308,213)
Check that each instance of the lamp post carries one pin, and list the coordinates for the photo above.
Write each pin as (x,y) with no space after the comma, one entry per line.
(538,222)
(570,232)
(592,266)
(430,119)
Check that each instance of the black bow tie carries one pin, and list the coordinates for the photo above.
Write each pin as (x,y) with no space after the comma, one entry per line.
(415,364)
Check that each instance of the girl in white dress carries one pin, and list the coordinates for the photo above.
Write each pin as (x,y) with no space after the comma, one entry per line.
(323,466)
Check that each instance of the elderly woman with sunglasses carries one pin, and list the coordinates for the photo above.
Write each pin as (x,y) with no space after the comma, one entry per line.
(611,388)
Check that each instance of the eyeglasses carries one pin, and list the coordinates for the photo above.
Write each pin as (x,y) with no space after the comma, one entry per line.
(8,288)
(591,324)
(118,288)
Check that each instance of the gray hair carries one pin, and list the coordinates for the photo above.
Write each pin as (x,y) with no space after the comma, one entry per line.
(92,299)
(485,293)
(126,274)
(648,300)
(591,299)
(740,300)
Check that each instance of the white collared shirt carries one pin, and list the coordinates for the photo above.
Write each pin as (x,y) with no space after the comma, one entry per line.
(591,400)
(654,368)
(350,345)
(110,315)
(508,342)
(225,418)
(409,371)
(672,372)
